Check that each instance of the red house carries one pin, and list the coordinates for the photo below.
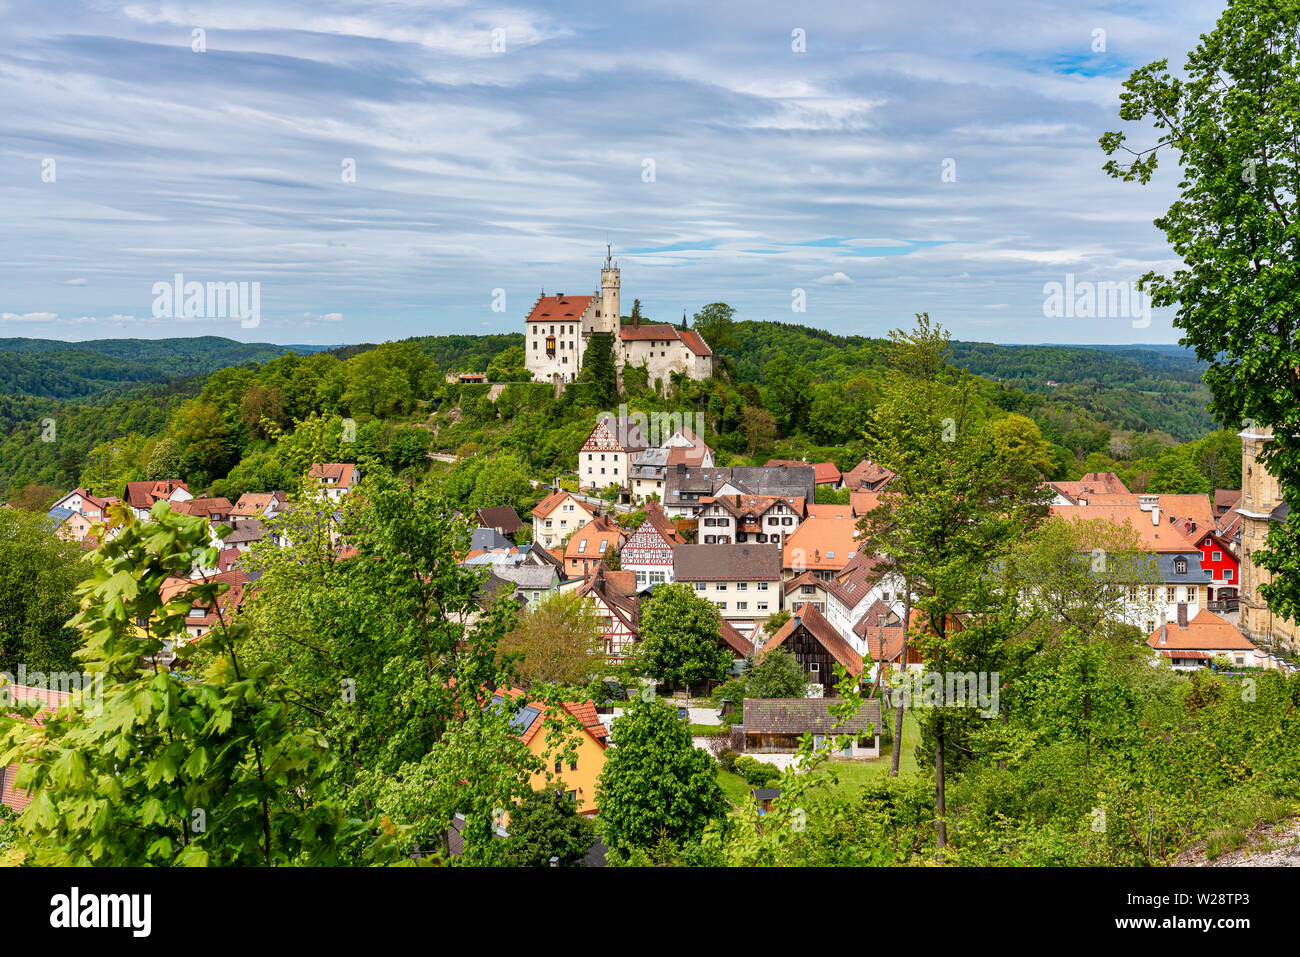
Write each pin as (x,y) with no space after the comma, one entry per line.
(1223,578)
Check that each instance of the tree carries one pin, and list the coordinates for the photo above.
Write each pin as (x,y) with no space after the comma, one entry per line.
(1232,124)
(508,366)
(545,825)
(714,322)
(198,769)
(759,428)
(680,639)
(559,641)
(655,781)
(599,373)
(39,573)
(1018,437)
(1174,473)
(777,674)
(788,393)
(959,504)
(36,498)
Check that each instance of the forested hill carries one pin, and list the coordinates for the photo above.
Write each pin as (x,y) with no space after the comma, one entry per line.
(198,408)
(1128,388)
(51,369)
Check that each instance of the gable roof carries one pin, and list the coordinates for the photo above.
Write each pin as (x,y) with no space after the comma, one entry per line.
(549,504)
(256,503)
(863,502)
(559,308)
(868,476)
(734,640)
(797,715)
(656,330)
(822,544)
(617,590)
(1093,486)
(599,530)
(341,473)
(824,473)
(1164,537)
(854,581)
(501,517)
(807,617)
(1206,632)
(614,434)
(733,562)
(531,719)
(145,494)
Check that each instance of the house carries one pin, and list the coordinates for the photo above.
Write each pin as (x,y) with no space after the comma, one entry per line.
(1177,575)
(822,546)
(244,534)
(215,510)
(740,645)
(862,502)
(334,479)
(724,519)
(775,725)
(1188,645)
(868,476)
(204,616)
(69,525)
(805,589)
(742,580)
(555,516)
(50,699)
(825,474)
(817,646)
(259,505)
(596,540)
(533,583)
(854,592)
(1222,571)
(1226,500)
(142,496)
(503,518)
(648,551)
(615,597)
(684,487)
(1095,488)
(82,501)
(606,456)
(881,632)
(649,469)
(536,727)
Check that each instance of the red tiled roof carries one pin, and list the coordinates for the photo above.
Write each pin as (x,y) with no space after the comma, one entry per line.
(559,308)
(547,505)
(50,699)
(812,621)
(340,472)
(145,494)
(1206,632)
(695,342)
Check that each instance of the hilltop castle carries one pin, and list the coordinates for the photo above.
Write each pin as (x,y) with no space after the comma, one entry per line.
(559,329)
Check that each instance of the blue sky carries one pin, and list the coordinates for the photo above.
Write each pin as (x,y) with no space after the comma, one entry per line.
(482,168)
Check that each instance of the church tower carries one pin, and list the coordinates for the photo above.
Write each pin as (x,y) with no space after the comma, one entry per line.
(610,308)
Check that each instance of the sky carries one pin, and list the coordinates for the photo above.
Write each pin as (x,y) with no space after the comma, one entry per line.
(374,171)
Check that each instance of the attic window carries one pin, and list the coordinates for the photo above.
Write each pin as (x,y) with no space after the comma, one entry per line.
(582,546)
(1180,566)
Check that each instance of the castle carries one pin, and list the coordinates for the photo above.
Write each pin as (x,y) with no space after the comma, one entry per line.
(559,329)
(1261,506)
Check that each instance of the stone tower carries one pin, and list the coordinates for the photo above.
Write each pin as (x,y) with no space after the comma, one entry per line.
(610,308)
(1261,505)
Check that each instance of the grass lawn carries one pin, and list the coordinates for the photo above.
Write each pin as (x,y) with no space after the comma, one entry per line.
(705,730)
(852,775)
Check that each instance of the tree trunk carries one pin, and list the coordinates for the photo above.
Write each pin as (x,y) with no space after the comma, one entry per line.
(940,804)
(902,671)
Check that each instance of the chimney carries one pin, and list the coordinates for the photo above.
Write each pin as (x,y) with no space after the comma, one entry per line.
(1182,614)
(1164,632)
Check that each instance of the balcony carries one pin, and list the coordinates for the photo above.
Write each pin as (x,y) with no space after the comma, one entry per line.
(1227,605)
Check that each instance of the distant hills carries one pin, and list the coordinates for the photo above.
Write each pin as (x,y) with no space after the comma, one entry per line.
(53,369)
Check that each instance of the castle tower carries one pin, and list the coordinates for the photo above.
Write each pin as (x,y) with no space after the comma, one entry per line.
(610,308)
(1260,500)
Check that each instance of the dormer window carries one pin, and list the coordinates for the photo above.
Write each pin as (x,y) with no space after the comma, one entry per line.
(1180,566)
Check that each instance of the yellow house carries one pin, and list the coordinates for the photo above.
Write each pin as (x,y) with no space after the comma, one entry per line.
(575,775)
